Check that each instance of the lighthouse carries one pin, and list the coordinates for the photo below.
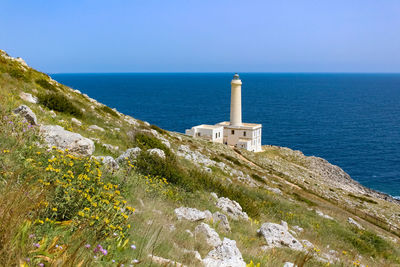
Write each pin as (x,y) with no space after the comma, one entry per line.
(233,133)
(236,101)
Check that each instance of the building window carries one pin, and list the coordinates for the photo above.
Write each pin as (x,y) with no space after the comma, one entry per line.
(244,133)
(198,134)
(232,131)
(216,135)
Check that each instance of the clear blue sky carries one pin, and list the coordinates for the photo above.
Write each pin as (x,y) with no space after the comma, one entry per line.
(203,36)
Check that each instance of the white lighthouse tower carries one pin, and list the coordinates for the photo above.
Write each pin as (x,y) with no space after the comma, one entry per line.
(236,101)
(234,132)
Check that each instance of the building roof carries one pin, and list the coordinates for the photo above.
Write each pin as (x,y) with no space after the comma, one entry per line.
(244,125)
(207,126)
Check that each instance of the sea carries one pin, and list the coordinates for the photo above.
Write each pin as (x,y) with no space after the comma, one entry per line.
(351,120)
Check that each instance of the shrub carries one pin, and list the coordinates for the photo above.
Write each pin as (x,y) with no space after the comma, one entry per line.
(59,102)
(109,111)
(158,129)
(145,142)
(46,85)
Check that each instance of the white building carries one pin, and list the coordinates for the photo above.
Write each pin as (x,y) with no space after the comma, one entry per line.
(233,132)
(213,133)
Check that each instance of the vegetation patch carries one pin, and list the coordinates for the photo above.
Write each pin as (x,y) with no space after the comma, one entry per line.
(158,129)
(303,199)
(231,159)
(109,110)
(46,85)
(58,102)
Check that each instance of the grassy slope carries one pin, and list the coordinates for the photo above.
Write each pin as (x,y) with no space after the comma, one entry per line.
(155,200)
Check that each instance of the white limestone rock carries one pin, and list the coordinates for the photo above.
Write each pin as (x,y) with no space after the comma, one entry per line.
(356,224)
(110,147)
(277,235)
(55,135)
(190,214)
(95,128)
(211,236)
(222,221)
(76,122)
(129,153)
(320,213)
(109,161)
(53,114)
(298,228)
(288,264)
(214,195)
(274,190)
(307,244)
(157,152)
(225,255)
(26,113)
(232,208)
(28,97)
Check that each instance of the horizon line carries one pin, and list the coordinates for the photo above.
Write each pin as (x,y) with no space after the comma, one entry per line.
(220,72)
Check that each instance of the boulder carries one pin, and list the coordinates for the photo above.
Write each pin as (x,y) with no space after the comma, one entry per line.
(210,235)
(353,222)
(76,122)
(95,128)
(222,221)
(27,113)
(53,114)
(157,152)
(55,135)
(109,161)
(28,97)
(288,264)
(190,214)
(225,255)
(277,235)
(130,152)
(232,208)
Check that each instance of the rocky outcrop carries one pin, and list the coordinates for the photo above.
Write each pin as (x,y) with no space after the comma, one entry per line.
(129,153)
(55,135)
(222,221)
(108,161)
(225,255)
(194,156)
(232,208)
(28,97)
(277,235)
(190,214)
(210,235)
(157,152)
(26,113)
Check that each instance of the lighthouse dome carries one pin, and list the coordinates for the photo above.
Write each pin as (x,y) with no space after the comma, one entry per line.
(236,76)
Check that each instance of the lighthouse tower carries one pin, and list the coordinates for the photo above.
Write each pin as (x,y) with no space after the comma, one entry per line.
(236,101)
(234,133)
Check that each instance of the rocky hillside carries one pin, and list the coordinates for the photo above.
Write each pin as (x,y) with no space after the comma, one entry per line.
(83,184)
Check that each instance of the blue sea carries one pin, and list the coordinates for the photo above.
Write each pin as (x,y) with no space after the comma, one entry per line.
(352,120)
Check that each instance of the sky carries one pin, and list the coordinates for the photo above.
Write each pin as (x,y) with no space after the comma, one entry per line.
(203,36)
